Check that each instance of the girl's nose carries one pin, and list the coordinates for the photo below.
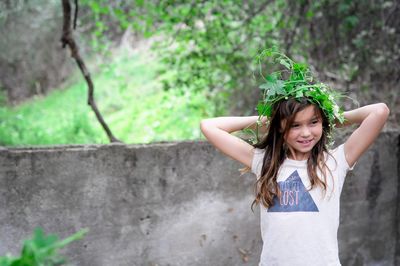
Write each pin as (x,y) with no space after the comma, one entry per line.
(305,132)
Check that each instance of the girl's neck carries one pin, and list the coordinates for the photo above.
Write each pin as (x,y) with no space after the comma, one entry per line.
(297,156)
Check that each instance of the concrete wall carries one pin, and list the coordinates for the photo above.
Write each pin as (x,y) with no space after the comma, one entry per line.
(178,204)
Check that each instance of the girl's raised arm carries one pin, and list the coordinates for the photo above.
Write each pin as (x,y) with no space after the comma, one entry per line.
(371,118)
(218,132)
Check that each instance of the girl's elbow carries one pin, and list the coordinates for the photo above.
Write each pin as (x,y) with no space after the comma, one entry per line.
(383,110)
(204,125)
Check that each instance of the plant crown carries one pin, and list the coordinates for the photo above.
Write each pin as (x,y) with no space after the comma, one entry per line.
(298,84)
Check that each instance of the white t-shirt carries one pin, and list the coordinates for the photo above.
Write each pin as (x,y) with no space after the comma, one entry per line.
(301,227)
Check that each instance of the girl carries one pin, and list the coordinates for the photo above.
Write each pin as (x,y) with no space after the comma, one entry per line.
(299,180)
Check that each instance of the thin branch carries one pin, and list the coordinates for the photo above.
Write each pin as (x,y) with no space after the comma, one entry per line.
(76,13)
(67,39)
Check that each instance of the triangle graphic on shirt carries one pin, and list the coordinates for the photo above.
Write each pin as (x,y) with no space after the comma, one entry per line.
(294,196)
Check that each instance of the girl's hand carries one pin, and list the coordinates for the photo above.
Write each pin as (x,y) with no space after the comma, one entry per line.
(217,131)
(371,118)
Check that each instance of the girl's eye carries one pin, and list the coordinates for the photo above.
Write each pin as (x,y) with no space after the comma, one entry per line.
(314,122)
(294,125)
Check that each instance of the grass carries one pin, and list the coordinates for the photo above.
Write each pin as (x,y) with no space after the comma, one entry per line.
(129,94)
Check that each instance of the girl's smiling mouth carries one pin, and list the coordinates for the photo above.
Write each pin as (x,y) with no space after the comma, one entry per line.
(305,142)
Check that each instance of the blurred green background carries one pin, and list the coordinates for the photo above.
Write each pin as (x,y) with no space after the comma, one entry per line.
(159,67)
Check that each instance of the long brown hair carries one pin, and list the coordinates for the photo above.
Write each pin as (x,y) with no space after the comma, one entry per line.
(266,187)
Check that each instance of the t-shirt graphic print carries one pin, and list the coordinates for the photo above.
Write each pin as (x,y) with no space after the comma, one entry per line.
(294,196)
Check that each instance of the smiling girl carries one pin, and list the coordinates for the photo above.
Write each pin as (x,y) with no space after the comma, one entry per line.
(299,179)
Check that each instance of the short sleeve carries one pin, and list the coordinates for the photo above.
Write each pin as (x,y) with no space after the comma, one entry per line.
(342,167)
(257,162)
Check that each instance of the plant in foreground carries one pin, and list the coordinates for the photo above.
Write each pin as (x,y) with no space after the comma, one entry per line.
(41,250)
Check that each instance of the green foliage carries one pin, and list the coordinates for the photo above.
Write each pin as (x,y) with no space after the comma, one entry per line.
(208,45)
(212,47)
(129,93)
(61,118)
(41,250)
(205,64)
(359,32)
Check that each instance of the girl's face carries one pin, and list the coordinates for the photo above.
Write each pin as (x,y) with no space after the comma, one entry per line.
(304,133)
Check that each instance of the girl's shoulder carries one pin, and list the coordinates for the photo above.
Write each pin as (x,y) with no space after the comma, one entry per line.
(336,150)
(337,154)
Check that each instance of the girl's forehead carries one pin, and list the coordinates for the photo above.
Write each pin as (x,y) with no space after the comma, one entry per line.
(306,114)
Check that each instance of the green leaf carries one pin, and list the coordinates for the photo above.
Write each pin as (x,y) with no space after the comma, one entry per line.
(271,78)
(299,94)
(285,63)
(273,87)
(264,110)
(299,67)
(260,108)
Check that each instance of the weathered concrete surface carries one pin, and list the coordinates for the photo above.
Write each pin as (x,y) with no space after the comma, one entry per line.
(370,207)
(178,204)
